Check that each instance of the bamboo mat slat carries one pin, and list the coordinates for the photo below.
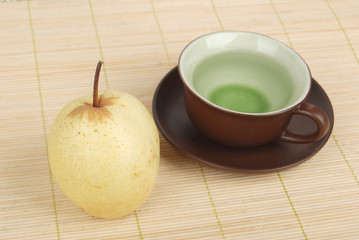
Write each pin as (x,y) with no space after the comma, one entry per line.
(48,53)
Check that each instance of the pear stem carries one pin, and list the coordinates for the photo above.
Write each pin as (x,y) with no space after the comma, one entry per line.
(95,86)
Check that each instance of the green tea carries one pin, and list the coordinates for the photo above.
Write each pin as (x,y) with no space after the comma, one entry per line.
(244,81)
(239,98)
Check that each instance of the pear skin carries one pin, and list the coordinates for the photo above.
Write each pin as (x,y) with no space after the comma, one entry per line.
(105,158)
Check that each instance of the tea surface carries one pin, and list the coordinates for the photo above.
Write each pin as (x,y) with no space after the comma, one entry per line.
(244,81)
(239,98)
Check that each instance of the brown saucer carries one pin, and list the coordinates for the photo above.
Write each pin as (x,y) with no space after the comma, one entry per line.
(171,118)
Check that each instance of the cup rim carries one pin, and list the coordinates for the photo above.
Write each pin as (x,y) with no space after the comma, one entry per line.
(286,109)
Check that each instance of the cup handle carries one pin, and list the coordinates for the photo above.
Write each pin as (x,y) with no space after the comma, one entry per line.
(318,116)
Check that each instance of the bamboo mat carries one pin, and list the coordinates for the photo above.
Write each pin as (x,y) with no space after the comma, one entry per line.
(48,53)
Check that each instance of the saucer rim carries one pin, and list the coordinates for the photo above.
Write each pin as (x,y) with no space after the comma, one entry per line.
(222,167)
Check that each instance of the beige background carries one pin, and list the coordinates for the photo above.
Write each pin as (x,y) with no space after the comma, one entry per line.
(48,53)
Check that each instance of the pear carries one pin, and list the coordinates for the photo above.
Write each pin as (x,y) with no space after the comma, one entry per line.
(104,152)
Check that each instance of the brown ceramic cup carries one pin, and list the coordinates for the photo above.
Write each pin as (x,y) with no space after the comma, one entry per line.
(242,89)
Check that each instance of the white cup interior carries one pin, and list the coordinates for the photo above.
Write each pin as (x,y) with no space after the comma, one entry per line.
(211,48)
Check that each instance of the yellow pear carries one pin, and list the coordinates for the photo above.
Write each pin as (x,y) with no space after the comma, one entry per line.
(104,152)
